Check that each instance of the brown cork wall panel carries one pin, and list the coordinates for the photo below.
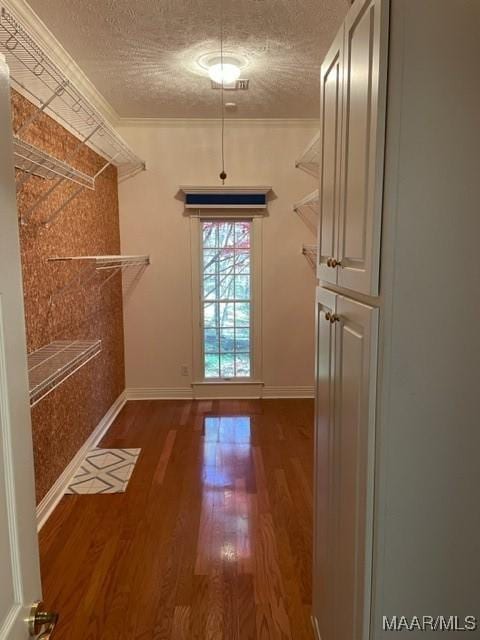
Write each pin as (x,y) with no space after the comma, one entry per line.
(67,301)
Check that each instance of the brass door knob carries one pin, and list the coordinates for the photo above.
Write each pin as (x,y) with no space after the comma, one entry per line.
(336,263)
(329,262)
(332,317)
(41,622)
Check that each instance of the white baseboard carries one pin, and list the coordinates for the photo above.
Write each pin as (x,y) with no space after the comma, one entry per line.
(53,497)
(217,392)
(288,392)
(159,393)
(234,390)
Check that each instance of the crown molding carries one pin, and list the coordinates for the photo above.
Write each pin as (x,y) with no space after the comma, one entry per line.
(195,190)
(58,54)
(215,122)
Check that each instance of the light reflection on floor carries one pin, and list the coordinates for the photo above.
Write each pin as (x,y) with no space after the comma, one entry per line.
(229,495)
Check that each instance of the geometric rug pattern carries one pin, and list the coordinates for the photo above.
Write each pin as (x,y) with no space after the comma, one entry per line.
(104,471)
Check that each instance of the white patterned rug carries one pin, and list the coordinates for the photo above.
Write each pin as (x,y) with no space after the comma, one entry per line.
(104,471)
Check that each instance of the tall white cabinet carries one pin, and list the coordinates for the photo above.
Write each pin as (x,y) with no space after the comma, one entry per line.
(352,126)
(397,474)
(347,362)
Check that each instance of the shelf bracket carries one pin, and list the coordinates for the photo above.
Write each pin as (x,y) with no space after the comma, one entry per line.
(120,269)
(134,172)
(111,275)
(69,157)
(106,165)
(28,214)
(310,253)
(56,94)
(57,211)
(115,264)
(76,193)
(77,281)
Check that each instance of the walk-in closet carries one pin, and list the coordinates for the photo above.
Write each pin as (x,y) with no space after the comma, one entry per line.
(238,319)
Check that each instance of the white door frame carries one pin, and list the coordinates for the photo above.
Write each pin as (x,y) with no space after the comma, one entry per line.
(20,584)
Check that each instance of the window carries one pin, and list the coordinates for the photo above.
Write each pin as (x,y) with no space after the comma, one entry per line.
(226,298)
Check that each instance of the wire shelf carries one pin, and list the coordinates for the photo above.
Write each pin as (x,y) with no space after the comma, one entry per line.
(309,161)
(37,77)
(308,209)
(107,262)
(111,265)
(36,162)
(311,202)
(51,365)
(310,253)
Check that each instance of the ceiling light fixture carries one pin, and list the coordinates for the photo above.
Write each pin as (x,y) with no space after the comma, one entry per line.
(209,59)
(226,73)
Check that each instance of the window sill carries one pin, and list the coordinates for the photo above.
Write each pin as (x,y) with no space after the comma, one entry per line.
(229,382)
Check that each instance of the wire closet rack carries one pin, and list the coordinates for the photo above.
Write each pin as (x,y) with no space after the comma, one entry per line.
(309,161)
(310,253)
(32,160)
(308,209)
(310,203)
(51,365)
(107,262)
(37,77)
(111,265)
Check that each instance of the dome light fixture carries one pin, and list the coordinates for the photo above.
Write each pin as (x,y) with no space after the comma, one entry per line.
(224,73)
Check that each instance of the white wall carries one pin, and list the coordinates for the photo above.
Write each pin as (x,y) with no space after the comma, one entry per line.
(158,315)
(428,437)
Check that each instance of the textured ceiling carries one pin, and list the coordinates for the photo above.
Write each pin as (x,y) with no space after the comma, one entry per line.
(141,54)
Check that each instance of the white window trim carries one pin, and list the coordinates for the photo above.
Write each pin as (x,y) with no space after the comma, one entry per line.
(256,283)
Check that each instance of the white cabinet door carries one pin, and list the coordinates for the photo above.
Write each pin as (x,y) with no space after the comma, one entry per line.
(330,156)
(344,465)
(19,567)
(356,333)
(363,140)
(322,552)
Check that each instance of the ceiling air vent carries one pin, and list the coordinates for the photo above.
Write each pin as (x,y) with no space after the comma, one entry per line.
(239,85)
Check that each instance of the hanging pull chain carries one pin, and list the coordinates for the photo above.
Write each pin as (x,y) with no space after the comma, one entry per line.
(223,175)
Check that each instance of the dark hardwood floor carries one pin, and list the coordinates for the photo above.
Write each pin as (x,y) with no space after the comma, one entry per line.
(212,539)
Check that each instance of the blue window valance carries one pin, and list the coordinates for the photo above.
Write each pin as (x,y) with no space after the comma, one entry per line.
(226,197)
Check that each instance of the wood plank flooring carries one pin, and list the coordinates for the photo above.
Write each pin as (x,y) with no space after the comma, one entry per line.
(212,539)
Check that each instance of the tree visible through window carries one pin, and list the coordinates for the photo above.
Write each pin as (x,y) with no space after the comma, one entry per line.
(226,298)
